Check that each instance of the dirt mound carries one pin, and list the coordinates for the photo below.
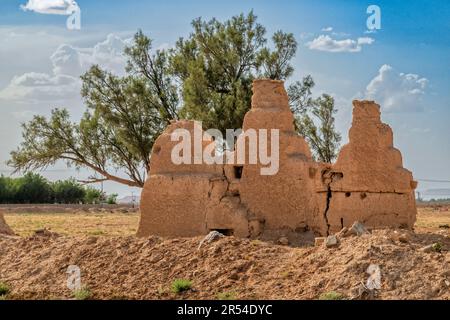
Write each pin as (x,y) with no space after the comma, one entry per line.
(4,228)
(130,268)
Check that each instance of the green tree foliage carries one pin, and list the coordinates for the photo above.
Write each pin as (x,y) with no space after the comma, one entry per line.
(123,118)
(276,64)
(218,63)
(300,96)
(68,191)
(207,76)
(322,137)
(112,198)
(33,188)
(8,189)
(93,196)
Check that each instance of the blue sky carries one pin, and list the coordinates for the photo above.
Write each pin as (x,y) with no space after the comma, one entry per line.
(404,66)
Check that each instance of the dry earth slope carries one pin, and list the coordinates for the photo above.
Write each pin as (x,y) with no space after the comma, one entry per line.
(131,268)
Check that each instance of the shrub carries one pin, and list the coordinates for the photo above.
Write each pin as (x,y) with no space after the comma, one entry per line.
(331,295)
(230,295)
(83,293)
(4,289)
(180,285)
(68,191)
(93,196)
(112,198)
(437,247)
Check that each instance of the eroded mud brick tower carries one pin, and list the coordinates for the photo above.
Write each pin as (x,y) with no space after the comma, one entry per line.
(367,183)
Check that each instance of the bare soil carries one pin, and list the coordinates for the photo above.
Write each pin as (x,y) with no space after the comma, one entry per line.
(125,267)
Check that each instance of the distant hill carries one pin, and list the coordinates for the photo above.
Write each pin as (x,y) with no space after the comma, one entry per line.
(129,200)
(436,192)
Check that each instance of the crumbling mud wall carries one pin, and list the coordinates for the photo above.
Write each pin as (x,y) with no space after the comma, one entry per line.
(367,183)
(4,228)
(285,200)
(187,199)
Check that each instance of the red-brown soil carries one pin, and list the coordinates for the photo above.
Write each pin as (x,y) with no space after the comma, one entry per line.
(133,268)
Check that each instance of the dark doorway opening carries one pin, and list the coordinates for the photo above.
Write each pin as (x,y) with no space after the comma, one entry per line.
(238,172)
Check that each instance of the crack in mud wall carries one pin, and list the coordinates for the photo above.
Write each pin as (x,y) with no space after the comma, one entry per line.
(327,208)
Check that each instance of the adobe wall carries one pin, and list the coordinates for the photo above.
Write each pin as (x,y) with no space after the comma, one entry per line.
(285,200)
(367,183)
(187,199)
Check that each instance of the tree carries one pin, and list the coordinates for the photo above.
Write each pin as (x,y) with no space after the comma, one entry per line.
(33,188)
(218,63)
(112,198)
(116,132)
(68,191)
(276,64)
(154,72)
(300,96)
(206,77)
(93,196)
(314,119)
(323,137)
(8,189)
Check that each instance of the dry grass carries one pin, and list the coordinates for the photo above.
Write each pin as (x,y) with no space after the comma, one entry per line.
(125,224)
(75,224)
(430,219)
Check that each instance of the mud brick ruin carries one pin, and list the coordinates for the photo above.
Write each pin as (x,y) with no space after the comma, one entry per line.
(367,183)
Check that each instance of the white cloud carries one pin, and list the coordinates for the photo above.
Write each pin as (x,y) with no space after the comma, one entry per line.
(340,34)
(68,63)
(328,44)
(35,87)
(75,61)
(62,7)
(365,40)
(397,92)
(327,29)
(23,115)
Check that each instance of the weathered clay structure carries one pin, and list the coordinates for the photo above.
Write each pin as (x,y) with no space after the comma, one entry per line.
(367,183)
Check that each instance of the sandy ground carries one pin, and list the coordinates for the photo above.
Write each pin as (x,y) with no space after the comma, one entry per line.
(123,267)
(75,224)
(123,222)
